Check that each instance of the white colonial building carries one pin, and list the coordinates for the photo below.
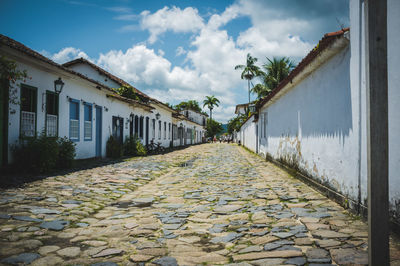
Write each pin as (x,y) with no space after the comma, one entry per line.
(87,110)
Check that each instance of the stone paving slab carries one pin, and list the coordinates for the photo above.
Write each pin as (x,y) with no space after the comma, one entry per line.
(206,204)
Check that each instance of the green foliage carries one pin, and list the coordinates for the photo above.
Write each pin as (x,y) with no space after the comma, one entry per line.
(133,147)
(250,70)
(261,90)
(130,93)
(210,102)
(276,70)
(191,105)
(213,128)
(66,153)
(141,150)
(43,154)
(113,148)
(236,122)
(130,146)
(10,72)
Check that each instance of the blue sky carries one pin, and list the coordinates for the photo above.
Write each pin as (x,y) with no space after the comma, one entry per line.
(174,50)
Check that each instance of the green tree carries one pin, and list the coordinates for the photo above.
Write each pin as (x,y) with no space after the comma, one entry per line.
(276,70)
(9,75)
(236,122)
(213,128)
(191,105)
(211,101)
(250,70)
(261,90)
(129,92)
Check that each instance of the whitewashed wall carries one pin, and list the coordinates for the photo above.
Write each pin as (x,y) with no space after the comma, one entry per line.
(357,25)
(311,126)
(194,116)
(248,134)
(92,73)
(165,116)
(394,100)
(78,89)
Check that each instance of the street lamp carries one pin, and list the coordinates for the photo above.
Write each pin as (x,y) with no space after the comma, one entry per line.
(158,116)
(252,108)
(58,85)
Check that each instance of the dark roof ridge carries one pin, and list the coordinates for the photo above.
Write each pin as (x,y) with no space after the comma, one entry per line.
(30,52)
(321,46)
(105,72)
(113,77)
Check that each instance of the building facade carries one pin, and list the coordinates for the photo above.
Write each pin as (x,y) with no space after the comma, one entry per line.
(87,110)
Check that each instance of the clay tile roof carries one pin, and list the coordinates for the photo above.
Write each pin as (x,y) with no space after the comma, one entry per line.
(116,79)
(7,41)
(105,73)
(324,43)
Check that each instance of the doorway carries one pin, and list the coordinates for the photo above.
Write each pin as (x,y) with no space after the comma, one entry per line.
(147,130)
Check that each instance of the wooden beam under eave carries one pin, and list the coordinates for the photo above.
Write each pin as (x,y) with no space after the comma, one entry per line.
(377,131)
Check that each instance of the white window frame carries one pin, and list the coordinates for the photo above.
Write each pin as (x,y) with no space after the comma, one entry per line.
(51,125)
(28,123)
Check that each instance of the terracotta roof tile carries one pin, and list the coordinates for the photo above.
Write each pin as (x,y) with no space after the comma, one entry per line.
(7,41)
(324,43)
(120,81)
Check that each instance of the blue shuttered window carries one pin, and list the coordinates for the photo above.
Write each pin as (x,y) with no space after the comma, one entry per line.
(74,120)
(87,129)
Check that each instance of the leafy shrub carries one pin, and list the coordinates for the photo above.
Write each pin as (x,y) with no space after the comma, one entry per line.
(141,150)
(113,148)
(130,148)
(66,153)
(43,154)
(133,147)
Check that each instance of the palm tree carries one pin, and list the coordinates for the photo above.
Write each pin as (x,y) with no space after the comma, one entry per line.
(250,70)
(210,101)
(261,90)
(276,70)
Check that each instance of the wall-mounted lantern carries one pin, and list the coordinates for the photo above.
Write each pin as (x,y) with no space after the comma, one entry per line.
(252,108)
(158,116)
(58,85)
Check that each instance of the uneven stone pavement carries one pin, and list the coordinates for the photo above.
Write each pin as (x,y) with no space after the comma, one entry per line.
(206,204)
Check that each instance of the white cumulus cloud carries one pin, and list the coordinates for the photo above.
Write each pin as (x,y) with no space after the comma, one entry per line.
(171,19)
(68,54)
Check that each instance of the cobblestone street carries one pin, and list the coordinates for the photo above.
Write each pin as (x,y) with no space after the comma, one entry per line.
(206,204)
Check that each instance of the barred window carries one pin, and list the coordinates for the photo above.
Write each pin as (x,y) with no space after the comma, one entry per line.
(28,111)
(51,114)
(165,130)
(87,130)
(159,129)
(74,120)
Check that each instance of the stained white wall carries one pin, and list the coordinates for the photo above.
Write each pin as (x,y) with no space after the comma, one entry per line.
(394,100)
(248,134)
(358,82)
(312,127)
